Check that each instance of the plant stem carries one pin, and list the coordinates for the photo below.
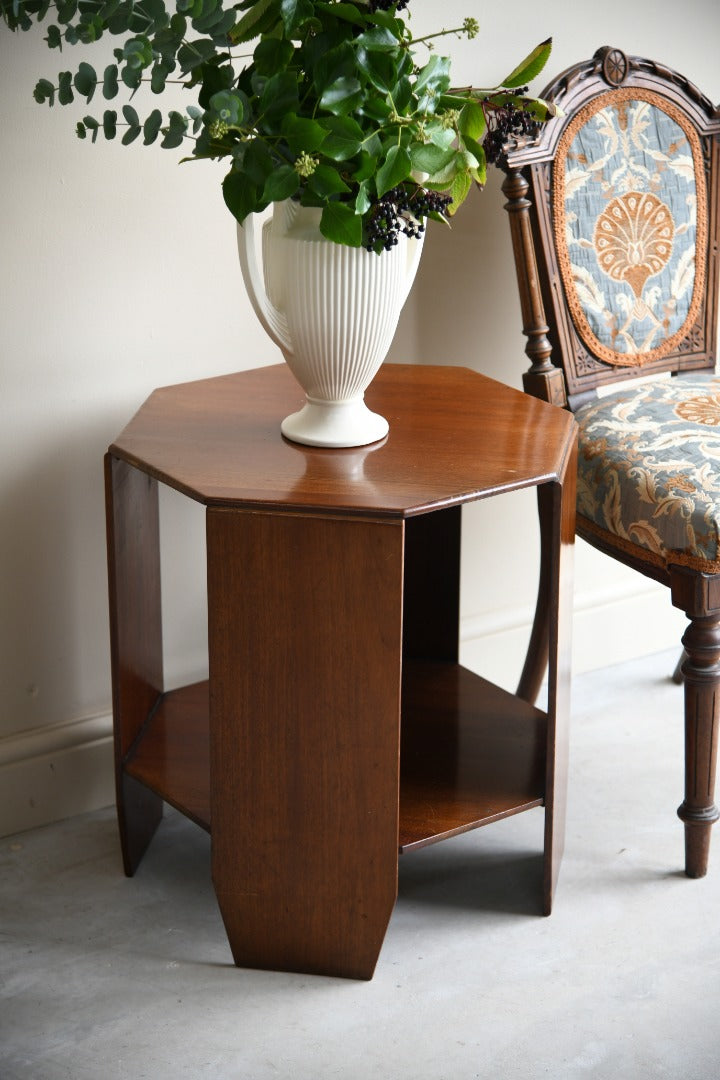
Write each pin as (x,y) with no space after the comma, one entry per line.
(438,33)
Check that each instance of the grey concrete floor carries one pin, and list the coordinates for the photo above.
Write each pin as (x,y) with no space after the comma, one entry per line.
(103,977)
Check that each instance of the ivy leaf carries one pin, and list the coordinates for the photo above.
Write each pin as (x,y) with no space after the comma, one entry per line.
(282,183)
(402,95)
(302,133)
(272,55)
(378,39)
(396,168)
(342,96)
(377,108)
(366,168)
(240,195)
(385,18)
(340,224)
(345,11)
(326,181)
(344,138)
(258,163)
(332,64)
(531,66)
(294,13)
(364,199)
(379,69)
(279,97)
(434,76)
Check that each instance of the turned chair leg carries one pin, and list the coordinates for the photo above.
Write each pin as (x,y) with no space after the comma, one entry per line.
(677,676)
(701,676)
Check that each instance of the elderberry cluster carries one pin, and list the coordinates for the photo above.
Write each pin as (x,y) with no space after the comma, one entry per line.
(384,5)
(402,211)
(506,122)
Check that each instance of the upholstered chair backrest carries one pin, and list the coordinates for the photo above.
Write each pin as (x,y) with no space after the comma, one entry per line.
(624,194)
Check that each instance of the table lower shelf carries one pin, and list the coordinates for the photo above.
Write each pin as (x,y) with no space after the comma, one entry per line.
(471,753)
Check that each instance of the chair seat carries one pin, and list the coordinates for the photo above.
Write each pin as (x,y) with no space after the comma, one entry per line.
(649,471)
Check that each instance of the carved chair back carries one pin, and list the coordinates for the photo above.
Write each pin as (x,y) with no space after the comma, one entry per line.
(615,221)
(614,213)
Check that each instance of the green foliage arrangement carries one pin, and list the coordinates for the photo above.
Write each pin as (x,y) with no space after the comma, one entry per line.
(338,105)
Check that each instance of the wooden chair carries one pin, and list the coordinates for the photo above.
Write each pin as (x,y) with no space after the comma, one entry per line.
(614,211)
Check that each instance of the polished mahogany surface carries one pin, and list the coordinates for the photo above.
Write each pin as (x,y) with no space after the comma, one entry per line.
(455,436)
(471,753)
(173,757)
(337,726)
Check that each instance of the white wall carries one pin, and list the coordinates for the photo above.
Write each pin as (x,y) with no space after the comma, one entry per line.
(119,274)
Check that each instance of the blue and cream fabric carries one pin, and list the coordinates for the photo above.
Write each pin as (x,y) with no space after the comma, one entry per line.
(630,212)
(649,470)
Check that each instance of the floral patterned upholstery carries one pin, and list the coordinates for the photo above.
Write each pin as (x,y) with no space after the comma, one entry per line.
(630,211)
(649,470)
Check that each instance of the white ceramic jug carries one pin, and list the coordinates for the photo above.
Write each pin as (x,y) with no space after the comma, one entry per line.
(333,311)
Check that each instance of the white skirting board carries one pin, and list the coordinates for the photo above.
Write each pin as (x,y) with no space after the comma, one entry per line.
(610,626)
(59,771)
(55,772)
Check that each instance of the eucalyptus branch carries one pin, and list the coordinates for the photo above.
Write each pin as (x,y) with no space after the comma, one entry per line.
(350,137)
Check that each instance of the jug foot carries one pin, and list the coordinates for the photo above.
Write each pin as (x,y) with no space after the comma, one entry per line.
(335,424)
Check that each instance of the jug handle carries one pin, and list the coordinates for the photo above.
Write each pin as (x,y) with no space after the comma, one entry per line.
(272,320)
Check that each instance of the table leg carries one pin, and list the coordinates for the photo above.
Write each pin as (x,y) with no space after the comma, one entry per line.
(136,640)
(431,607)
(305,625)
(559,518)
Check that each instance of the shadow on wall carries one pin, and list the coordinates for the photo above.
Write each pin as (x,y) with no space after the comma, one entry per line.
(53,637)
(464,308)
